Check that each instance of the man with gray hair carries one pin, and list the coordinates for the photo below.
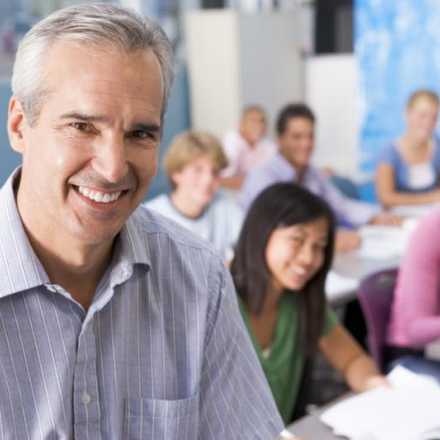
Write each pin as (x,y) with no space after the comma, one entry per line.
(114,323)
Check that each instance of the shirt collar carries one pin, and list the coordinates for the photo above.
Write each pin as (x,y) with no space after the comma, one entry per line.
(284,167)
(130,246)
(288,171)
(22,270)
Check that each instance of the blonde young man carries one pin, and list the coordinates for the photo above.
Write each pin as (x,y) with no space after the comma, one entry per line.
(113,323)
(193,164)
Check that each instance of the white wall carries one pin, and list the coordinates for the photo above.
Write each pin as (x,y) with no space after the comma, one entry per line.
(213,68)
(236,59)
(271,65)
(332,90)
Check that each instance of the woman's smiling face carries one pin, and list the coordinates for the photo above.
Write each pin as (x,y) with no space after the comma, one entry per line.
(294,254)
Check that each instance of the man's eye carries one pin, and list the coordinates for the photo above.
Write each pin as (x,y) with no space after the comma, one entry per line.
(141,134)
(82,126)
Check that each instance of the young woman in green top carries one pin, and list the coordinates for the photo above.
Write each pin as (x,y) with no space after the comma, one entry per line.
(281,261)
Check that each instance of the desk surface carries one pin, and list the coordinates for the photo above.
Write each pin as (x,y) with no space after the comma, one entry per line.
(352,265)
(311,428)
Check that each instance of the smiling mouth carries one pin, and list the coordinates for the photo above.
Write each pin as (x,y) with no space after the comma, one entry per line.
(104,197)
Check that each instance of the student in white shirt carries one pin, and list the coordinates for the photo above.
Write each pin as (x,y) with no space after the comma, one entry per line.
(193,164)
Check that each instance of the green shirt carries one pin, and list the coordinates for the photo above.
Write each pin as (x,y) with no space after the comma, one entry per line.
(284,364)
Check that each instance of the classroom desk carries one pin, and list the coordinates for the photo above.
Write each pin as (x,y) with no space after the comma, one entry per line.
(354,266)
(382,248)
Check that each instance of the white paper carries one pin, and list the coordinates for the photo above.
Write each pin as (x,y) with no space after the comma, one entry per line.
(337,286)
(407,410)
(383,242)
(414,210)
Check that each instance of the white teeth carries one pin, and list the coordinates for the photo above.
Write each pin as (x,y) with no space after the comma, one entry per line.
(299,270)
(99,196)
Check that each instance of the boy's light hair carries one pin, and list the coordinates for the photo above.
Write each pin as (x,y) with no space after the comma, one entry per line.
(190,145)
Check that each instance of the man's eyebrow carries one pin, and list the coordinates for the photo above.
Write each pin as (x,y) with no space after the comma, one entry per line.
(151,127)
(84,117)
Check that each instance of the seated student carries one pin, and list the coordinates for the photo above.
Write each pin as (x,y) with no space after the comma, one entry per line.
(281,261)
(193,163)
(292,163)
(415,313)
(246,147)
(409,167)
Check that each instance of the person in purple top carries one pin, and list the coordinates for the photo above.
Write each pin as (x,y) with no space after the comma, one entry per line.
(295,129)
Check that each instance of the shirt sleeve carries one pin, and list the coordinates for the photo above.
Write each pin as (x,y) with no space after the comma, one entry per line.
(347,210)
(330,321)
(417,292)
(255,182)
(388,155)
(236,402)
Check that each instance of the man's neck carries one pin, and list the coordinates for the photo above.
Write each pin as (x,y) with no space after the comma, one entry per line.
(185,205)
(300,171)
(78,269)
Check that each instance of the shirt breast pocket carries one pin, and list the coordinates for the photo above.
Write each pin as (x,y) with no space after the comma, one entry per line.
(161,419)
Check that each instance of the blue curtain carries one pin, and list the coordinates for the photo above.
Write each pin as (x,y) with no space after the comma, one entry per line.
(397,44)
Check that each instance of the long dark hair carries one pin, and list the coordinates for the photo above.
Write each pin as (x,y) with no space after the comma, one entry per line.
(282,205)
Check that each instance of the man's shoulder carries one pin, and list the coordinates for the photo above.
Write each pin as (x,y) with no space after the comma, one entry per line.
(272,170)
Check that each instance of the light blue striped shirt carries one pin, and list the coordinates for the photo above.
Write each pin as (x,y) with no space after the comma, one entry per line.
(161,353)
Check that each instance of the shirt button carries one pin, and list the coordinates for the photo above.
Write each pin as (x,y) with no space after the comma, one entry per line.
(86,398)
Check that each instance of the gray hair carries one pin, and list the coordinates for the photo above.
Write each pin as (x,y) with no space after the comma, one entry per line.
(94,24)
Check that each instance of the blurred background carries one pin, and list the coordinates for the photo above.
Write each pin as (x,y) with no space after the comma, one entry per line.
(353,62)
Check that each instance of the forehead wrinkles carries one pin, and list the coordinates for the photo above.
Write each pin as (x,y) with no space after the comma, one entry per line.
(119,93)
(90,85)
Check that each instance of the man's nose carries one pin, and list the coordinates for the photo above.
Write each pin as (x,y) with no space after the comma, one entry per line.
(111,158)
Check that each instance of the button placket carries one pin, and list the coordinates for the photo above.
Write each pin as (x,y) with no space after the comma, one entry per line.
(86,400)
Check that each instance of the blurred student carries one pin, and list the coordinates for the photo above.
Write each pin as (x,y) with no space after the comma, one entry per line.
(247,147)
(281,261)
(292,163)
(193,164)
(409,167)
(415,313)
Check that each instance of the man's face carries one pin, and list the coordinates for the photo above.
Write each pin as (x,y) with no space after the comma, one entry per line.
(92,152)
(253,126)
(296,143)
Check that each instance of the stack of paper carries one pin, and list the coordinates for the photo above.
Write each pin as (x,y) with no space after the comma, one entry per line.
(408,410)
(383,242)
(414,210)
(337,286)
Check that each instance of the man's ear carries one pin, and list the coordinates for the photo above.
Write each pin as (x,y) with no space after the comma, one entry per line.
(16,125)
